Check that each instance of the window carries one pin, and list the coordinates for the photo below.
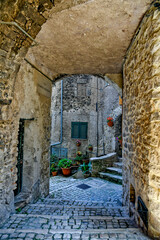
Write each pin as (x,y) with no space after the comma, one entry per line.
(79,130)
(81,89)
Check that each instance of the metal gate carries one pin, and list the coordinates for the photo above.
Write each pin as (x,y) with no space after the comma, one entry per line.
(20,157)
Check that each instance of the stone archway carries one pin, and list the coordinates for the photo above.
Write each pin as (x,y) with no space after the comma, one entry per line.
(79,59)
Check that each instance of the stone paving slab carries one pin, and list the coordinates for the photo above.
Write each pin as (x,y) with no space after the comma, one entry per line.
(77,234)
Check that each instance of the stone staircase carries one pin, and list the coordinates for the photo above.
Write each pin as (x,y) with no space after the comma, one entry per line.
(113,174)
(51,219)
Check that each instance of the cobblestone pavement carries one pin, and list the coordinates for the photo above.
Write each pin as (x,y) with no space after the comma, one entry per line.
(88,209)
(100,189)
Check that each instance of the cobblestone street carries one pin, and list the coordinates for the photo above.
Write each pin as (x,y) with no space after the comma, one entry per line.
(87,209)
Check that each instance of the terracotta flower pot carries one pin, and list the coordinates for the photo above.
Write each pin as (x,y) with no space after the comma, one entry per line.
(66,171)
(110,123)
(54,173)
(78,144)
(90,148)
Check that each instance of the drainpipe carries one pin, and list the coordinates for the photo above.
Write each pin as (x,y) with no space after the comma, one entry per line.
(97,119)
(61,136)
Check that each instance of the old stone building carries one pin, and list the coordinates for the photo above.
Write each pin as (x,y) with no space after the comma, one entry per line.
(86,100)
(114,39)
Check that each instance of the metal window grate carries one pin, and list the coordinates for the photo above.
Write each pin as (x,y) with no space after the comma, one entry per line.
(143,211)
(59,152)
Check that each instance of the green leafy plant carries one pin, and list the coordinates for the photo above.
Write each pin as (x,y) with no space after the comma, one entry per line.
(54,158)
(18,210)
(65,163)
(54,163)
(53,167)
(85,168)
(119,138)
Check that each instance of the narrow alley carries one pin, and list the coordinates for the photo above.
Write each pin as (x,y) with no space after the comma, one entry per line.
(84,209)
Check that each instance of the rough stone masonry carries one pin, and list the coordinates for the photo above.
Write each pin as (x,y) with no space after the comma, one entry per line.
(30,15)
(141,92)
(141,118)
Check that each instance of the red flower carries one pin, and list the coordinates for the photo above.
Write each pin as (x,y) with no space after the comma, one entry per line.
(109,119)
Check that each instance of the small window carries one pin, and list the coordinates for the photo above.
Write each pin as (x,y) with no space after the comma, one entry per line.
(79,130)
(81,89)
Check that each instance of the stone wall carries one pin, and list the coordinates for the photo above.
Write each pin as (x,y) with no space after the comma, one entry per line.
(34,102)
(30,15)
(101,163)
(81,93)
(141,119)
(31,102)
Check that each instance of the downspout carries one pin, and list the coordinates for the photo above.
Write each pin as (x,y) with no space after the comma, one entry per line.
(61,136)
(97,119)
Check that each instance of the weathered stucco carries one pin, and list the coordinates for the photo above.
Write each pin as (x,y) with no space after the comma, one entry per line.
(35,105)
(30,104)
(141,118)
(89,38)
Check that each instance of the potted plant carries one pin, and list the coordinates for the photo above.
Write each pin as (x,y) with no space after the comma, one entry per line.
(78,159)
(85,159)
(86,169)
(53,164)
(79,153)
(78,143)
(65,165)
(53,169)
(110,121)
(90,147)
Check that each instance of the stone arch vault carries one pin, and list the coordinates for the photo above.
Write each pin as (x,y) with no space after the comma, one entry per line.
(88,37)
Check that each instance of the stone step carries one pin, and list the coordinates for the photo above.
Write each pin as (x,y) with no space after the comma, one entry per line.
(79,203)
(111,177)
(21,200)
(86,234)
(114,170)
(65,202)
(49,223)
(120,159)
(118,165)
(60,210)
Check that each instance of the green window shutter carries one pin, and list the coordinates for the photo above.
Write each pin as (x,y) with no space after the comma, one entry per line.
(79,130)
(75,130)
(83,130)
